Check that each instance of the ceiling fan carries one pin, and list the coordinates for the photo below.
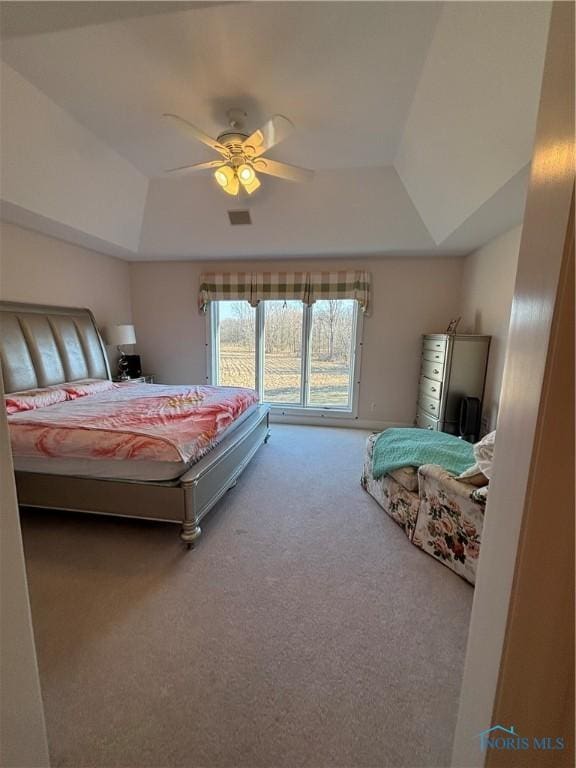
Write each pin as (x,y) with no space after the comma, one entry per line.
(241,154)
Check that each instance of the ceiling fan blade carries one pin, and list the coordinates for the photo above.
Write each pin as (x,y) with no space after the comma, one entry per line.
(183,169)
(282,170)
(271,133)
(190,130)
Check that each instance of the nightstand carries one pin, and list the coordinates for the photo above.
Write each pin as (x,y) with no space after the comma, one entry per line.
(145,379)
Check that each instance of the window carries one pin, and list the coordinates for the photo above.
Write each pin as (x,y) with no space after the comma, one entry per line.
(282,374)
(234,344)
(297,357)
(331,353)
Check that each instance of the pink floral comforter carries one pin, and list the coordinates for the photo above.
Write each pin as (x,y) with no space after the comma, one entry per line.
(131,421)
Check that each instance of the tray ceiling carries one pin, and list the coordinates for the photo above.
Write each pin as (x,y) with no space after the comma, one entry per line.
(379,93)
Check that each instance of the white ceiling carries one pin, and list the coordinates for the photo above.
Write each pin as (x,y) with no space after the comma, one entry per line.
(352,76)
(334,213)
(33,17)
(344,73)
(471,127)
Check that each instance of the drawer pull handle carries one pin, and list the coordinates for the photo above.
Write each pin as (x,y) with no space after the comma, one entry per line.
(438,345)
(433,389)
(432,407)
(437,357)
(435,370)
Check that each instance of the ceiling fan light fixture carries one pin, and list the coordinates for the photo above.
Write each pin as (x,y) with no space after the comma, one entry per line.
(233,187)
(246,173)
(220,178)
(227,179)
(224,175)
(251,186)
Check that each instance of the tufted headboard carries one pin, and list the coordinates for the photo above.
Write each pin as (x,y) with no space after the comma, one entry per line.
(42,345)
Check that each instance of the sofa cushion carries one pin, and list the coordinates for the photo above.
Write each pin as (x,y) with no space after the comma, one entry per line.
(407,477)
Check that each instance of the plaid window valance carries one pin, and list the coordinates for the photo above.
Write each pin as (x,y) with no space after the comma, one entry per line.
(279,285)
(222,286)
(352,284)
(302,286)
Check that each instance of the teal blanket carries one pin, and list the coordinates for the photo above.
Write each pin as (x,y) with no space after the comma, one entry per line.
(406,447)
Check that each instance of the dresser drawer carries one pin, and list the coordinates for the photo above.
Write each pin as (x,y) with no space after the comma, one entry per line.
(430,388)
(426,422)
(439,345)
(432,370)
(433,355)
(429,404)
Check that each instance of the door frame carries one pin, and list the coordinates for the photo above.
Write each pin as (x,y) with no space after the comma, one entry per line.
(502,571)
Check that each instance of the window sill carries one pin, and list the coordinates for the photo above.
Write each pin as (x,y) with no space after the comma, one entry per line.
(316,413)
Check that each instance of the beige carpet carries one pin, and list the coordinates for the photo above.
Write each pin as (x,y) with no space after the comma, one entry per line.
(304,629)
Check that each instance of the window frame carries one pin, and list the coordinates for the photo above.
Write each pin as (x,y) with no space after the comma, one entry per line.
(291,409)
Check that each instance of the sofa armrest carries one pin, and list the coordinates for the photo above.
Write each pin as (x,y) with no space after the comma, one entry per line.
(446,481)
(450,520)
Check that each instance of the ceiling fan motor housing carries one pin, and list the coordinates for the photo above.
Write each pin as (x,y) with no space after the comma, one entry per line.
(233,141)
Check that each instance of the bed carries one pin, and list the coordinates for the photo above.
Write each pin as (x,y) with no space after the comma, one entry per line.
(151,472)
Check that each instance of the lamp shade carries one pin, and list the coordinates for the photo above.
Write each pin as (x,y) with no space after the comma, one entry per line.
(227,179)
(119,335)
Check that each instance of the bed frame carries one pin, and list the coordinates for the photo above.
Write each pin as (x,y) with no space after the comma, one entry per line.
(41,346)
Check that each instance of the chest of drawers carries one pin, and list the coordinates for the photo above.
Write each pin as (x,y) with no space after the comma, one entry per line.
(452,367)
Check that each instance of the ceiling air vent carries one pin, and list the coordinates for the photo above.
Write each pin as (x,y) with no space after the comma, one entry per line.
(239,217)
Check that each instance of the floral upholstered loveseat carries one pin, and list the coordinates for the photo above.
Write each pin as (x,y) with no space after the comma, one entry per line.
(439,514)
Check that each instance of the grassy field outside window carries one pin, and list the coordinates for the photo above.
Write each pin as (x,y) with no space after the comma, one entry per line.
(294,355)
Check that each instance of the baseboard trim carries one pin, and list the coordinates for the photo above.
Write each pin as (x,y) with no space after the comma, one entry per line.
(336,421)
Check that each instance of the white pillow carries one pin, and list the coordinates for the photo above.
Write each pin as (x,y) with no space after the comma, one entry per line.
(484,453)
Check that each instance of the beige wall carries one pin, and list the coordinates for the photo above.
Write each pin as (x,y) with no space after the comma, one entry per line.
(41,269)
(486,297)
(410,297)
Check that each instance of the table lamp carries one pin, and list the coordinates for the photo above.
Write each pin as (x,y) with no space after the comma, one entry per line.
(120,336)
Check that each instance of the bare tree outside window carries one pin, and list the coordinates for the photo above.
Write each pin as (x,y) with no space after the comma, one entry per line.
(236,334)
(282,367)
(330,348)
(238,326)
